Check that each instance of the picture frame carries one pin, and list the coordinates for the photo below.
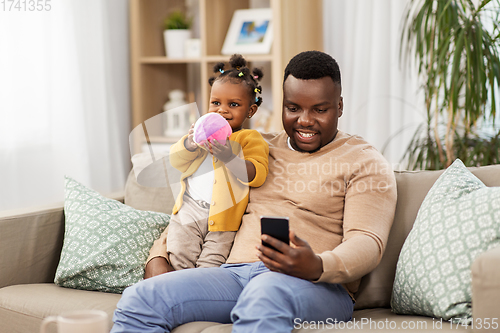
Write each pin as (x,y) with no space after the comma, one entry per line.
(250,32)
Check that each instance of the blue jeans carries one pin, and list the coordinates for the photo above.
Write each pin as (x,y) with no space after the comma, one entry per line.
(250,296)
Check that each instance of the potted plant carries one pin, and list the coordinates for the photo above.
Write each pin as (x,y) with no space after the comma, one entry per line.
(176,32)
(456,45)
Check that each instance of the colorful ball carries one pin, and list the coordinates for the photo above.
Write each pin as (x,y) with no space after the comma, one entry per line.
(211,126)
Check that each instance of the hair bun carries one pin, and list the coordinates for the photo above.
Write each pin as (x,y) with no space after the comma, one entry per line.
(237,61)
(219,67)
(257,74)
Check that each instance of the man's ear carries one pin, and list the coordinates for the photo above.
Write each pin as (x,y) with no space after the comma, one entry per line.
(341,106)
(252,110)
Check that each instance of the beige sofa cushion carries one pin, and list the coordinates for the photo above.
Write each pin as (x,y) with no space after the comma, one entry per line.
(43,300)
(376,288)
(157,199)
(486,285)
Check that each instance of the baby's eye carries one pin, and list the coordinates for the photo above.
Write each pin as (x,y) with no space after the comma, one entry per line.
(215,103)
(234,104)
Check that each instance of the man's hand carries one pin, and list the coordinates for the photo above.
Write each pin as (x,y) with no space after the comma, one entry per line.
(157,266)
(299,261)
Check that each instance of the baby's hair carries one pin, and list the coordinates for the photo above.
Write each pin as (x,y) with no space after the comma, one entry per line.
(311,65)
(238,73)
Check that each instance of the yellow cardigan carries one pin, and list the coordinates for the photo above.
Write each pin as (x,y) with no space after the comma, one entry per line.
(229,194)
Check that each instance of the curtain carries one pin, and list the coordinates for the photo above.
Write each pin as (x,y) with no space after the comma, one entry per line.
(64,100)
(382,101)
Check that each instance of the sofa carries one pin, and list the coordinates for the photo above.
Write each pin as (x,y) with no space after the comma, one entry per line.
(31,242)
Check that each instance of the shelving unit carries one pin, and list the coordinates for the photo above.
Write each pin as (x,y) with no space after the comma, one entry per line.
(297,26)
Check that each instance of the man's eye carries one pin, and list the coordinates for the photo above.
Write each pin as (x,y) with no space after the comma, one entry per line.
(322,110)
(291,108)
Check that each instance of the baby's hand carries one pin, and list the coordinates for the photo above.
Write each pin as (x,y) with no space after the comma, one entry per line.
(222,152)
(189,142)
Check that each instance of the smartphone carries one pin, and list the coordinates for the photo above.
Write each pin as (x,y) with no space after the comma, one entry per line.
(275,226)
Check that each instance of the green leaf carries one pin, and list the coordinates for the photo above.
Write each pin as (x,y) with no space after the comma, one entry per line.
(177,20)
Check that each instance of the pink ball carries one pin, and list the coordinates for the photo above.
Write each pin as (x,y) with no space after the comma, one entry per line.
(211,126)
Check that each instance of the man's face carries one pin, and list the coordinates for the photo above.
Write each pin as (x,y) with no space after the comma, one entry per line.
(311,109)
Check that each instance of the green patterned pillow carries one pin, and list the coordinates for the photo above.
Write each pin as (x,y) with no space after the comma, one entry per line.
(106,243)
(458,220)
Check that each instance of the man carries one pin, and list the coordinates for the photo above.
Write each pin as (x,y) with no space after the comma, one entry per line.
(340,196)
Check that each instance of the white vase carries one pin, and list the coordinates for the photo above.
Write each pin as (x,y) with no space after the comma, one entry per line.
(174,42)
(177,112)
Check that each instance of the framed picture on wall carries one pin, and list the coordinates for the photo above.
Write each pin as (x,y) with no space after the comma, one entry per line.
(250,32)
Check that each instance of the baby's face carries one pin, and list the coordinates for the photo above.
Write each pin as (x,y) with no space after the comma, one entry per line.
(232,101)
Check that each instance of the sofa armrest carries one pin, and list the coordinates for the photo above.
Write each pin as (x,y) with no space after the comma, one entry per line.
(30,243)
(486,291)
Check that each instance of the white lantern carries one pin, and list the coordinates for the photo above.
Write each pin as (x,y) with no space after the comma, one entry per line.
(177,112)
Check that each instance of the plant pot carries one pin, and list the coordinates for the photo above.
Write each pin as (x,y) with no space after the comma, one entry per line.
(174,42)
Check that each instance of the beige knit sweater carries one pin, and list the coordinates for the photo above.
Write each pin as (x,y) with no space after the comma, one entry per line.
(341,199)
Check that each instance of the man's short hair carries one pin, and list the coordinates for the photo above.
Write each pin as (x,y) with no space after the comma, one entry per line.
(311,65)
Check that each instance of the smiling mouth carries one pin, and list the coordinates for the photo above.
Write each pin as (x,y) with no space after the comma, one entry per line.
(305,135)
